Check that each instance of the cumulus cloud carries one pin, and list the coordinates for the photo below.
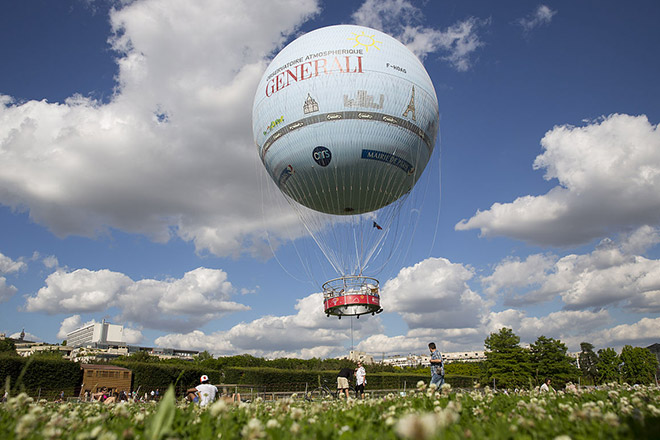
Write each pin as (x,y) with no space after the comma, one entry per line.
(172,305)
(28,336)
(609,181)
(542,15)
(642,333)
(7,265)
(512,273)
(70,324)
(51,262)
(131,336)
(168,153)
(6,290)
(401,19)
(434,294)
(308,333)
(611,274)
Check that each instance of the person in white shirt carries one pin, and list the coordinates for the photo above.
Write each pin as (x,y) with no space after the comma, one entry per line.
(546,387)
(205,391)
(360,380)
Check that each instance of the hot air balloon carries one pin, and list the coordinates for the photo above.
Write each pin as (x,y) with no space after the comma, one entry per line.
(345,119)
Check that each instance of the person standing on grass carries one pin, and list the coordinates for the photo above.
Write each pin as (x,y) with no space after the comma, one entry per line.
(437,366)
(345,374)
(360,380)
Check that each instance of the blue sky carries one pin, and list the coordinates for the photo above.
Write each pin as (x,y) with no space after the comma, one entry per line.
(130,189)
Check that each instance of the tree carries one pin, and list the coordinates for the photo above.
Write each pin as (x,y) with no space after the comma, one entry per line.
(588,361)
(607,366)
(141,356)
(638,365)
(203,356)
(7,346)
(507,363)
(549,360)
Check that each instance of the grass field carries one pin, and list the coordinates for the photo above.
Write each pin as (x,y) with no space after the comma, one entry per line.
(612,412)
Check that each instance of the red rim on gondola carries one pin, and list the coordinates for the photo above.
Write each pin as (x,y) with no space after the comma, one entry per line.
(351,296)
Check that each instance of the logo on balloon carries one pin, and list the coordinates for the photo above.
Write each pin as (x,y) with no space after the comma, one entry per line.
(322,156)
(285,174)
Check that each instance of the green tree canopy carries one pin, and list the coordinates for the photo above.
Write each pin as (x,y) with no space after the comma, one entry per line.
(140,356)
(7,346)
(203,356)
(507,363)
(638,365)
(607,366)
(549,360)
(588,361)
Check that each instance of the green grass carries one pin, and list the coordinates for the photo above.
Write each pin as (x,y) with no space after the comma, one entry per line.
(610,413)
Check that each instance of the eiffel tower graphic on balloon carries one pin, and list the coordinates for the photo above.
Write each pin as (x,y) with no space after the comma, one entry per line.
(411,106)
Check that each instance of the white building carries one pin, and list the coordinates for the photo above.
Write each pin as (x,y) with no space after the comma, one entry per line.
(97,333)
(464,356)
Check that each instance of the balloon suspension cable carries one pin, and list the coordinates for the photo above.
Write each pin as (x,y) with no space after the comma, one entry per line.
(351,333)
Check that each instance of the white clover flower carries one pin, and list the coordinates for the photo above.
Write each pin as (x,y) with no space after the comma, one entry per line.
(253,429)
(446,388)
(653,410)
(25,425)
(106,435)
(272,424)
(421,385)
(218,408)
(344,429)
(417,427)
(297,413)
(389,421)
(295,428)
(611,419)
(562,437)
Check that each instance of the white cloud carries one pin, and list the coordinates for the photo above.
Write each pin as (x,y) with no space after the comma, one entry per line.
(7,265)
(541,16)
(177,304)
(642,333)
(400,18)
(131,336)
(609,181)
(169,153)
(6,290)
(70,324)
(609,275)
(82,290)
(512,273)
(434,294)
(308,333)
(27,337)
(51,261)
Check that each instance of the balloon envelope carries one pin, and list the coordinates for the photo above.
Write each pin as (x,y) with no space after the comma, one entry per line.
(345,119)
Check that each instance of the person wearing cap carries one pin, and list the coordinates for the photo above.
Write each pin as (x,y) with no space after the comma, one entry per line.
(205,391)
(360,380)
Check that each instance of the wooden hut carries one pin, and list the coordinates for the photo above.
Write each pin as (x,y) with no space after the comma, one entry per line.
(110,377)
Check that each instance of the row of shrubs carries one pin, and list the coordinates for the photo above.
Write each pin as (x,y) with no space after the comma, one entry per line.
(32,374)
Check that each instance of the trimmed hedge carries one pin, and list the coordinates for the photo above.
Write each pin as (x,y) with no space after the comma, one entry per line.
(53,375)
(272,379)
(44,377)
(149,376)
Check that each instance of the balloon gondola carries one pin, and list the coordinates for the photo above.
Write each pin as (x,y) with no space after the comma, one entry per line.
(345,120)
(351,296)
